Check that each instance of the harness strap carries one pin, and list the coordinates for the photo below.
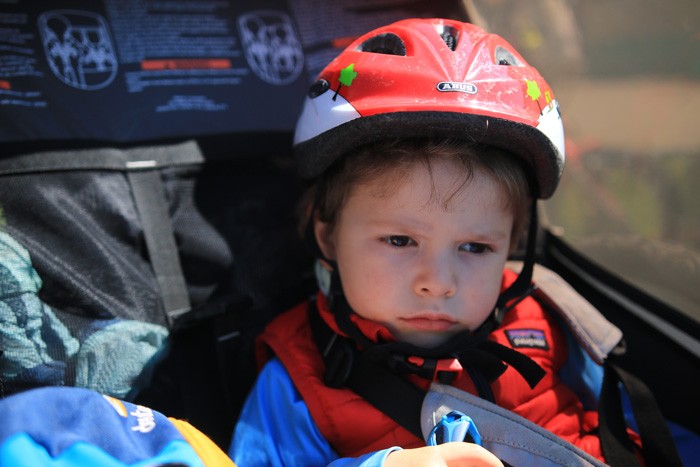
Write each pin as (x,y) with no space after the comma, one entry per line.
(346,367)
(402,403)
(103,158)
(369,373)
(149,196)
(658,446)
(506,434)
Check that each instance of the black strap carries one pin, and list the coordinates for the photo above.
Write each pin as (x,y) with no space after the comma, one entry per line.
(402,402)
(149,195)
(524,365)
(522,284)
(347,367)
(658,446)
(377,373)
(103,158)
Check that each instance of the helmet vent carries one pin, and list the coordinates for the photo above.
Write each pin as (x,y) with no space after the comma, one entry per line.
(505,57)
(388,43)
(318,88)
(449,35)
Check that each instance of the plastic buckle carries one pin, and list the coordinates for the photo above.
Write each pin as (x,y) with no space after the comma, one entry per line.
(455,426)
(444,371)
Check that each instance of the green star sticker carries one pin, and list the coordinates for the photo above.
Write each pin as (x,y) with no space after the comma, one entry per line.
(533,90)
(347,75)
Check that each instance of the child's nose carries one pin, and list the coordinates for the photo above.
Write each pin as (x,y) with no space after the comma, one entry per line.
(436,277)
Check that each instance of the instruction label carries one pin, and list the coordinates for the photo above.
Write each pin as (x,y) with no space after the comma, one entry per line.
(137,70)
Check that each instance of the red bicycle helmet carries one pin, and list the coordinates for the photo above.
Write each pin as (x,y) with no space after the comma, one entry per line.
(432,78)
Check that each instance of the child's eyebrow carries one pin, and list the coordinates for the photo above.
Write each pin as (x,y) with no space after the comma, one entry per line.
(394,222)
(496,234)
(472,234)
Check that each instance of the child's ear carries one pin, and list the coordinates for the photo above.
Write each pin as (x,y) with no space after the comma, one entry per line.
(324,237)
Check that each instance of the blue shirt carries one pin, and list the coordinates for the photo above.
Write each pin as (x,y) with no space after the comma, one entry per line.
(275,428)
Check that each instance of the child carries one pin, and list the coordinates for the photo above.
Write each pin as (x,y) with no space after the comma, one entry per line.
(426,141)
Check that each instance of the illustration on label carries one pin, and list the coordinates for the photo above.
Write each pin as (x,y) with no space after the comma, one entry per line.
(271,46)
(78,48)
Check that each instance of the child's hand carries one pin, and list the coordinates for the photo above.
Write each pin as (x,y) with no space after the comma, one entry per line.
(447,454)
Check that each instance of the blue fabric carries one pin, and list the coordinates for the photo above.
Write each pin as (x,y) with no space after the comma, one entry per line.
(70,426)
(275,428)
(111,356)
(580,372)
(22,451)
(687,442)
(34,341)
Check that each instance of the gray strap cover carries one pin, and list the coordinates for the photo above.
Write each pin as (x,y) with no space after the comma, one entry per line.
(510,437)
(592,330)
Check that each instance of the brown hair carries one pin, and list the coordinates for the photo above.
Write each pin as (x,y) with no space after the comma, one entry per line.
(330,191)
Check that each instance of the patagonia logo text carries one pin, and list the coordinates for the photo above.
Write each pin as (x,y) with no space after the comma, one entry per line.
(450,86)
(527,339)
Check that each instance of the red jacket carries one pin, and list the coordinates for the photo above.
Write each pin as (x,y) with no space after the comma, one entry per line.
(354,427)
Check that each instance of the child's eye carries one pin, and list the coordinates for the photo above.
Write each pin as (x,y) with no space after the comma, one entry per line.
(399,240)
(476,248)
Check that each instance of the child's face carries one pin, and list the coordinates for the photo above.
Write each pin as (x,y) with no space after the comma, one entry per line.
(423,270)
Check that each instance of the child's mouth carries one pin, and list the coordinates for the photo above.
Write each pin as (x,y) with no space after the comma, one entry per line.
(430,323)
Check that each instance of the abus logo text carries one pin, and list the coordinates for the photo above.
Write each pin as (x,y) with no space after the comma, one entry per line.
(451,86)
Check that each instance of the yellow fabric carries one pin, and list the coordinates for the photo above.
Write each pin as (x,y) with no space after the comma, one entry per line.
(207,450)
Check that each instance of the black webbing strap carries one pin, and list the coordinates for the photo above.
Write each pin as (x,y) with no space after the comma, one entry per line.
(369,379)
(149,196)
(658,447)
(521,287)
(103,158)
(387,391)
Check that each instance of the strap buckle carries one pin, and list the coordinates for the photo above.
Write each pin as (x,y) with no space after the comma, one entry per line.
(454,426)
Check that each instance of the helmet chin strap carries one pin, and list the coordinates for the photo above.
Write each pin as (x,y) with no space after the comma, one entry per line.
(522,287)
(472,348)
(483,359)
